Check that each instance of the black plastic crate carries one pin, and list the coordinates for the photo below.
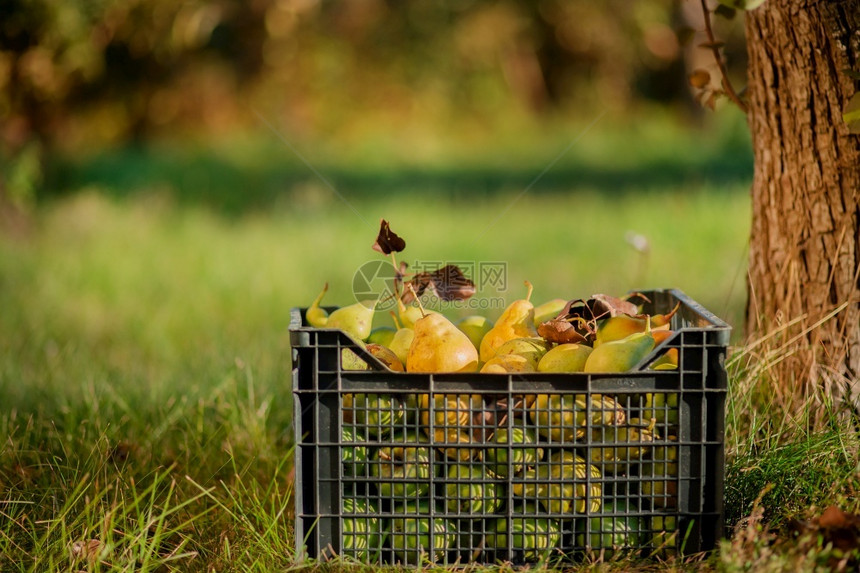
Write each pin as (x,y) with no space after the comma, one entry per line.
(580,477)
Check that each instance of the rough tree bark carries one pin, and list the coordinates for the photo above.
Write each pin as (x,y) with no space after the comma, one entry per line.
(805,242)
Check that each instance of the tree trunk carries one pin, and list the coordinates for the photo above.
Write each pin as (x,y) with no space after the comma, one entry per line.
(805,244)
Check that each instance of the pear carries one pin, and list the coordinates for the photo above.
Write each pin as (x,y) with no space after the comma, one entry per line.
(386,356)
(410,538)
(402,469)
(517,447)
(377,414)
(349,360)
(382,335)
(533,537)
(354,456)
(470,490)
(563,418)
(561,484)
(660,477)
(439,346)
(401,342)
(610,535)
(362,529)
(568,357)
(618,327)
(613,456)
(532,349)
(517,321)
(314,315)
(507,363)
(548,310)
(623,325)
(663,407)
(620,355)
(475,327)
(452,415)
(409,315)
(665,535)
(355,319)
(667,361)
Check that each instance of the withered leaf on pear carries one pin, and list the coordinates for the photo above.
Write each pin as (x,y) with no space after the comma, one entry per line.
(448,283)
(560,331)
(604,305)
(387,241)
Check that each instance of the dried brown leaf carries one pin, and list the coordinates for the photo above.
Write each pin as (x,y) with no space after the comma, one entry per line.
(448,283)
(387,241)
(560,331)
(603,304)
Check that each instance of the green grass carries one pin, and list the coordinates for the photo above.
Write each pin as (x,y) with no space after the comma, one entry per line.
(144,353)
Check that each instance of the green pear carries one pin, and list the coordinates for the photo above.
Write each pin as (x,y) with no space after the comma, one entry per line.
(664,538)
(515,449)
(377,414)
(533,536)
(354,451)
(362,530)
(439,346)
(402,468)
(355,319)
(382,335)
(611,533)
(620,355)
(560,484)
(549,310)
(568,357)
(314,315)
(562,418)
(470,490)
(475,327)
(663,407)
(410,535)
(532,349)
(659,477)
(349,360)
(517,321)
(409,315)
(609,449)
(401,342)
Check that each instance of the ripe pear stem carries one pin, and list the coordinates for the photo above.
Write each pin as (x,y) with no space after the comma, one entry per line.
(418,300)
(394,318)
(529,292)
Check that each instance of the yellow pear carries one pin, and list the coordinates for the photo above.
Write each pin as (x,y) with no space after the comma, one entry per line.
(517,321)
(439,346)
(314,315)
(568,357)
(503,363)
(386,356)
(355,319)
(532,349)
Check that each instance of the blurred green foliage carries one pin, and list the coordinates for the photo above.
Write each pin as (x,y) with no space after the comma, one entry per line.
(83,73)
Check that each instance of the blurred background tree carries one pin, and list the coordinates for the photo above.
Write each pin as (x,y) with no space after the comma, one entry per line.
(105,72)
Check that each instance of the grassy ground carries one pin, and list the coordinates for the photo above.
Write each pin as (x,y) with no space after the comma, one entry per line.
(144,358)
